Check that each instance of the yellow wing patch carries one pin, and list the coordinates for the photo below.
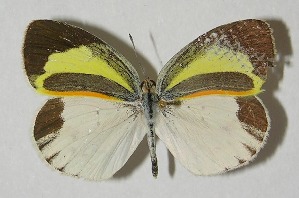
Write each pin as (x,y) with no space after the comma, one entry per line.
(79,60)
(219,59)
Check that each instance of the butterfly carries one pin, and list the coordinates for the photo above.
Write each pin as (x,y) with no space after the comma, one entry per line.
(203,106)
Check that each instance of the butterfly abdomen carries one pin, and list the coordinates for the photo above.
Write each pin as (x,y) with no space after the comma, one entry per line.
(149,103)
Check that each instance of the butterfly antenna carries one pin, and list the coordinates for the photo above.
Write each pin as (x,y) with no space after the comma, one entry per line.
(156,50)
(139,64)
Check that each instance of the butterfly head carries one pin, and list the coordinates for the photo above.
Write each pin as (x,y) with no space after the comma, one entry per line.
(148,86)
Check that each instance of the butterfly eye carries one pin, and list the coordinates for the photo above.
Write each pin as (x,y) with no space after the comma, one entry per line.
(142,85)
(153,84)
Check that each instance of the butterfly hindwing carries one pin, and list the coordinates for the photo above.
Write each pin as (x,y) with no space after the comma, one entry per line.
(88,137)
(63,60)
(214,134)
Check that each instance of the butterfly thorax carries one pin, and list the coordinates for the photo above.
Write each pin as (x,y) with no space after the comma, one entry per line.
(149,103)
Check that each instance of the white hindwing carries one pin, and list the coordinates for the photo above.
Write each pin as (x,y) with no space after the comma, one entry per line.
(206,135)
(95,139)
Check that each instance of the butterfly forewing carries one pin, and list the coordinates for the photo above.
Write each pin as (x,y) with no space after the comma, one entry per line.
(63,60)
(231,58)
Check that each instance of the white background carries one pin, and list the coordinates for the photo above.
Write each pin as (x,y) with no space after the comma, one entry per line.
(275,172)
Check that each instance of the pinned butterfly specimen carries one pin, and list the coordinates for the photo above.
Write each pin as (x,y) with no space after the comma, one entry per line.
(203,105)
